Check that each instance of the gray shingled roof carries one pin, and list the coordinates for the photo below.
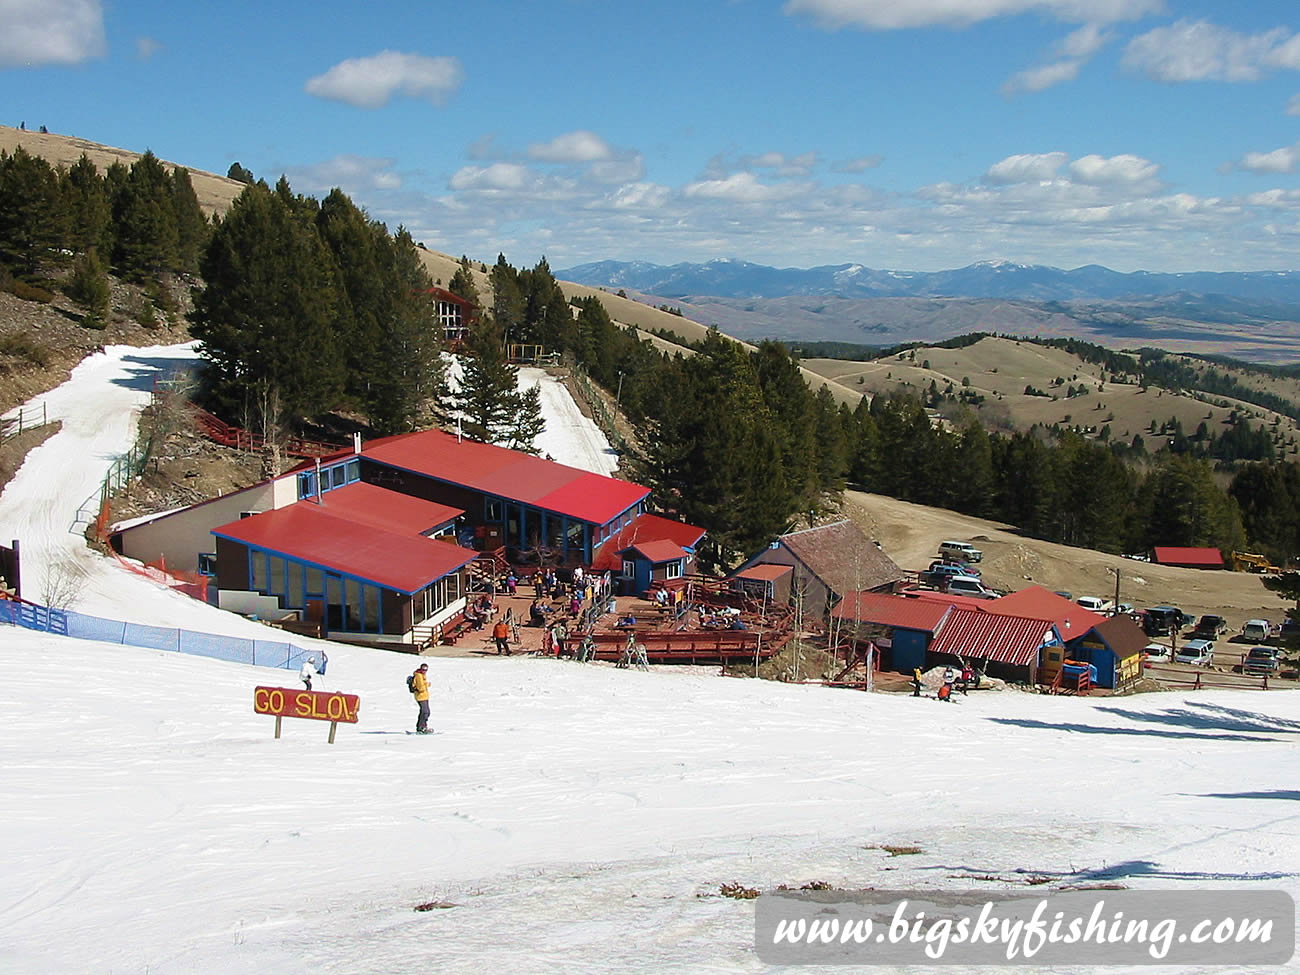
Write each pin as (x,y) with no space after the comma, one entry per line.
(842,557)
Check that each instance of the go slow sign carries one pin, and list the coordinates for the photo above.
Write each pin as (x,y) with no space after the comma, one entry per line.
(285,702)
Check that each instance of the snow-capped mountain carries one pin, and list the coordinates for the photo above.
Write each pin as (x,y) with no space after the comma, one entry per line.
(729,278)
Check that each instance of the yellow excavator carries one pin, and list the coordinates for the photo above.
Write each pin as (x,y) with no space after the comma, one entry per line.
(1249,562)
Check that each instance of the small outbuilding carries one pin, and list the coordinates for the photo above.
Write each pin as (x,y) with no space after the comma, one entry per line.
(1114,646)
(1187,558)
(826,563)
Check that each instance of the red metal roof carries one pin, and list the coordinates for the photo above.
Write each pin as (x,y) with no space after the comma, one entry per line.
(508,474)
(763,572)
(659,550)
(644,527)
(980,634)
(947,599)
(389,510)
(1173,555)
(887,610)
(310,533)
(1071,619)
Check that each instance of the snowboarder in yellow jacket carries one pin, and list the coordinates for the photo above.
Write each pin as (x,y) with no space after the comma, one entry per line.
(420,688)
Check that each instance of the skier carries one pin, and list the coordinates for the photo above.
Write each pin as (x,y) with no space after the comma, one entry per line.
(308,671)
(501,634)
(916,682)
(420,688)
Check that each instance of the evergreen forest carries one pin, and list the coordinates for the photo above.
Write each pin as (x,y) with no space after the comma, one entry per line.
(304,307)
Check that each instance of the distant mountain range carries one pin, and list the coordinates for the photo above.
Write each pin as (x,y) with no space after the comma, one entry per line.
(986,279)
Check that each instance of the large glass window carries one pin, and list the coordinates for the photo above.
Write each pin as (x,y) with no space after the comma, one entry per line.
(493,511)
(554,532)
(275,575)
(337,476)
(354,470)
(257,564)
(573,538)
(352,597)
(370,599)
(315,580)
(295,596)
(673,570)
(306,485)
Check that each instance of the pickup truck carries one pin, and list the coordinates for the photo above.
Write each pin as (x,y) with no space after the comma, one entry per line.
(940,573)
(1260,660)
(1210,627)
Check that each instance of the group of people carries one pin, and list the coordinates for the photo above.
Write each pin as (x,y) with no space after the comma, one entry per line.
(961,680)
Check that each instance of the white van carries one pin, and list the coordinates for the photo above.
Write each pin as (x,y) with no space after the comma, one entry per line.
(969,586)
(1257,631)
(1094,604)
(960,551)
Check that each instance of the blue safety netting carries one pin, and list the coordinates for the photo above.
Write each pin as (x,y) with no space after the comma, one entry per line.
(261,653)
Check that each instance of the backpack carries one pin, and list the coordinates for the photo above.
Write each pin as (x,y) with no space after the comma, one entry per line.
(410,683)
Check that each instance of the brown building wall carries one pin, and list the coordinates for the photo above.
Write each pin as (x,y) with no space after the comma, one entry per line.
(232,564)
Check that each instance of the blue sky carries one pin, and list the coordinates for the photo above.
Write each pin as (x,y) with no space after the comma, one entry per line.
(1139,134)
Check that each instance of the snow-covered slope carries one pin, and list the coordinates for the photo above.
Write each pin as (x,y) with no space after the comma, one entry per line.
(571,818)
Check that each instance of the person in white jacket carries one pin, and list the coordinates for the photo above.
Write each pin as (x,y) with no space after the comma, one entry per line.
(308,671)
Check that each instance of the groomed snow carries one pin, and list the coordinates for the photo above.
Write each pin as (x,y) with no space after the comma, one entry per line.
(579,818)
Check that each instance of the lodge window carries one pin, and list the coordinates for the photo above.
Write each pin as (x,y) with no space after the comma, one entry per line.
(673,570)
(493,510)
(629,568)
(207,563)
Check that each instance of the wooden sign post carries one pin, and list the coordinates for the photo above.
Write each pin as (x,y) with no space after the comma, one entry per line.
(330,706)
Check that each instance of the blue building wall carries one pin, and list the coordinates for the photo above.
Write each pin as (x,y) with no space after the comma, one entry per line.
(908,649)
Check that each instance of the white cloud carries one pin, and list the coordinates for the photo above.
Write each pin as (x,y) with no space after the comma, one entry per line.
(1200,51)
(1028,168)
(859,165)
(741,188)
(634,196)
(1282,160)
(1072,53)
(896,15)
(372,82)
(498,176)
(355,175)
(1084,42)
(146,47)
(1293,106)
(37,32)
(1116,170)
(1043,76)
(573,147)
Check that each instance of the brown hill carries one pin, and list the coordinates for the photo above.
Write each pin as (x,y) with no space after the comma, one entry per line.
(1001,368)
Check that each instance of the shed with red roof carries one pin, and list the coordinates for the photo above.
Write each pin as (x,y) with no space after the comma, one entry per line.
(1189,558)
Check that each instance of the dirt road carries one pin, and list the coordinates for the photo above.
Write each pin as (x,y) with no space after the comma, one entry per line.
(910,534)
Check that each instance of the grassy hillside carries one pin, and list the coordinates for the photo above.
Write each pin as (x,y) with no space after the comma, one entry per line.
(999,369)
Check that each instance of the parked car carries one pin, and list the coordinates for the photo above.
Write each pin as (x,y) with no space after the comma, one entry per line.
(1094,604)
(954,568)
(970,586)
(1257,631)
(1065,594)
(960,551)
(1261,660)
(1162,620)
(1197,652)
(1210,627)
(939,574)
(1156,652)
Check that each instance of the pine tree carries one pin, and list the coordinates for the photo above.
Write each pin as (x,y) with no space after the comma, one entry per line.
(88,287)
(408,343)
(269,314)
(144,218)
(191,225)
(507,305)
(239,173)
(31,214)
(462,283)
(85,199)
(488,395)
(528,422)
